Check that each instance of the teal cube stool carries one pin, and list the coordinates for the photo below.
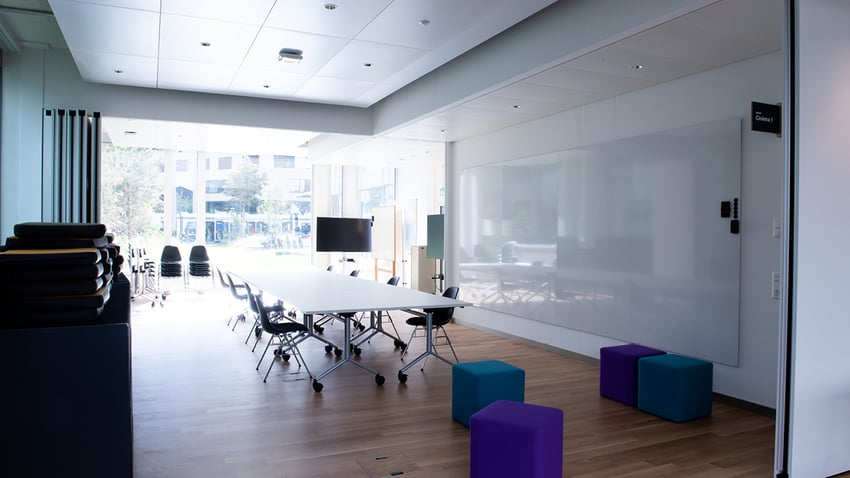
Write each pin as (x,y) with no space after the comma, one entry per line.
(675,387)
(478,384)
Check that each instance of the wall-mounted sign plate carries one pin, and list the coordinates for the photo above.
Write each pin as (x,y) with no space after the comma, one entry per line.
(766,118)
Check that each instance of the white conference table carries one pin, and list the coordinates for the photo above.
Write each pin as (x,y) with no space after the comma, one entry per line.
(319,292)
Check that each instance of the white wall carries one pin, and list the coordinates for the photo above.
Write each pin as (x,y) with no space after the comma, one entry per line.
(820,362)
(718,94)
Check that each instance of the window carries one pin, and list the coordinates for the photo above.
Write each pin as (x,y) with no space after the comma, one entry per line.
(284,161)
(208,164)
(298,185)
(255,159)
(182,165)
(225,163)
(215,186)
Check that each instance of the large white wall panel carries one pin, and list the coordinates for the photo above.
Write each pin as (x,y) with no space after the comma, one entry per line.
(714,95)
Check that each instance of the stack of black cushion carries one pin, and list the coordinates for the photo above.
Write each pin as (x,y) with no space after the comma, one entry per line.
(170,263)
(53,273)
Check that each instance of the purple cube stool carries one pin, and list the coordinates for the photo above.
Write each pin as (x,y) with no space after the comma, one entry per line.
(618,371)
(511,439)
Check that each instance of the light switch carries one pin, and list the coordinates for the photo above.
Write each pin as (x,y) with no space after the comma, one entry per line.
(776,283)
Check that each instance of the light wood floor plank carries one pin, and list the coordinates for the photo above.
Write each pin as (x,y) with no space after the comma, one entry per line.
(201,409)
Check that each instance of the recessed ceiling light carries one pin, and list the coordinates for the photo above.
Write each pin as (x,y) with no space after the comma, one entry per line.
(637,67)
(205,43)
(290,55)
(265,86)
(129,133)
(424,22)
(330,6)
(367,65)
(118,72)
(516,107)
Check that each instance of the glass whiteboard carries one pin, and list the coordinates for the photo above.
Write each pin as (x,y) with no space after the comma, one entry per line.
(623,239)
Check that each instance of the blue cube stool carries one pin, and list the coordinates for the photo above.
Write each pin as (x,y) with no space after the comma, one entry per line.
(478,384)
(512,439)
(618,371)
(675,387)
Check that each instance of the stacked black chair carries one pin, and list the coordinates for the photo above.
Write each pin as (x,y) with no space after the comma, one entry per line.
(199,263)
(170,263)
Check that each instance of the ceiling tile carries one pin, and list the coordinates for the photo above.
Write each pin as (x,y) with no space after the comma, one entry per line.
(147,5)
(346,21)
(318,50)
(385,60)
(527,90)
(120,30)
(251,81)
(250,12)
(197,76)
(333,90)
(614,60)
(100,67)
(565,76)
(758,22)
(181,38)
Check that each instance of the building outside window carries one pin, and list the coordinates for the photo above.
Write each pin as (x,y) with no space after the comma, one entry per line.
(225,163)
(281,161)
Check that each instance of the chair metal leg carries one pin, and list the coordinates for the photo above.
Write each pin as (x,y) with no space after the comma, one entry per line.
(448,341)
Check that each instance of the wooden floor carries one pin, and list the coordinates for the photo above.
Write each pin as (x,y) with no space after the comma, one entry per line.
(202,410)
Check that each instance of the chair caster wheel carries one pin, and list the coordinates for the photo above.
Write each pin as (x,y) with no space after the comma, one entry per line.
(379,379)
(318,329)
(258,331)
(317,387)
(338,352)
(284,357)
(328,349)
(357,351)
(276,352)
(361,327)
(398,344)
(402,377)
(153,304)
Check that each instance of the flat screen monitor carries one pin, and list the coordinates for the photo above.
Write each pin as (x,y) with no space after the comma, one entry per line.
(343,234)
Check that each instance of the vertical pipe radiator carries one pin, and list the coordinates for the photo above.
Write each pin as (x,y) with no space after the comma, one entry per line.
(71,166)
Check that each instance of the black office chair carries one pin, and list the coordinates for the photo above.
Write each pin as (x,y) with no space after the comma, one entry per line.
(199,263)
(385,319)
(240,293)
(319,325)
(439,318)
(171,264)
(274,312)
(283,335)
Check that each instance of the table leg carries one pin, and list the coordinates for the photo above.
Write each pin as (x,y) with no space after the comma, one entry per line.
(346,358)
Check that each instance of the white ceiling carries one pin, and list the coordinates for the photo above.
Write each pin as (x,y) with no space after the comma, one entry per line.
(157,43)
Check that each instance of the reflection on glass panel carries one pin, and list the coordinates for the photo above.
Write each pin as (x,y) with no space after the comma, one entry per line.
(622,239)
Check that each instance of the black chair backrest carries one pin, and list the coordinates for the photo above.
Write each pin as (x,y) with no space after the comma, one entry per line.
(258,309)
(221,279)
(233,288)
(198,254)
(443,316)
(355,272)
(393,280)
(170,254)
(330,268)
